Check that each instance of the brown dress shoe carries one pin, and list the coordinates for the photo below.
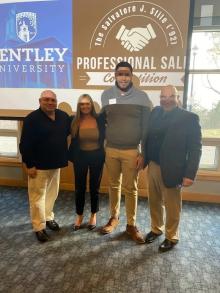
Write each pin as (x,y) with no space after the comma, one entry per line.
(110,226)
(135,234)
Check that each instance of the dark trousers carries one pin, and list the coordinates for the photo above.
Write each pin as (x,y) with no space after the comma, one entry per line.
(93,162)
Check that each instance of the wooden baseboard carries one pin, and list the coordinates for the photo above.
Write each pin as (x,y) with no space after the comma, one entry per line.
(12,182)
(67,186)
(201,197)
(198,197)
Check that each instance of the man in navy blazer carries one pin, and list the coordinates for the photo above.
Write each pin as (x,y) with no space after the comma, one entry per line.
(172,151)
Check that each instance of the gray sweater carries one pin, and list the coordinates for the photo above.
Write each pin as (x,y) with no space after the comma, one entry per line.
(127,116)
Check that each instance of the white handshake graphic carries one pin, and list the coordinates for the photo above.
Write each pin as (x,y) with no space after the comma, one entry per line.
(136,38)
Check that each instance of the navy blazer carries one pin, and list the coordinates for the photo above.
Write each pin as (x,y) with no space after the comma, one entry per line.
(74,147)
(181,149)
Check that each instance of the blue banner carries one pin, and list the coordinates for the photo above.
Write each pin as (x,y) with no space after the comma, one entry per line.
(36,44)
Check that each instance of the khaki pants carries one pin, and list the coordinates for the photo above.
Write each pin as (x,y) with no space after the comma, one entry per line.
(43,191)
(121,167)
(163,199)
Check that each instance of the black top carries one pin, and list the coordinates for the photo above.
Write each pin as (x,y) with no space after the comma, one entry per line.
(44,141)
(74,147)
(157,134)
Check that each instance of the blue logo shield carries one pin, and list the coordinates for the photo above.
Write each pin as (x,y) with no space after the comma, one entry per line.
(26,26)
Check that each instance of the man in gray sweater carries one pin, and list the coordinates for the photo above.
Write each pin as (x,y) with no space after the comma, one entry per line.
(126,111)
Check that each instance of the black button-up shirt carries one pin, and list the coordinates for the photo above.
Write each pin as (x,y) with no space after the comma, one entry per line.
(44,141)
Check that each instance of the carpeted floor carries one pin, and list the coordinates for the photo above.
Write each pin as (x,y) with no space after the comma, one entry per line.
(85,261)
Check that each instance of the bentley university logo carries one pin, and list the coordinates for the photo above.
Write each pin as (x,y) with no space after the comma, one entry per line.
(26,26)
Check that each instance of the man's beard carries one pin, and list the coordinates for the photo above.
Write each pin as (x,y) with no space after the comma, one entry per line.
(124,89)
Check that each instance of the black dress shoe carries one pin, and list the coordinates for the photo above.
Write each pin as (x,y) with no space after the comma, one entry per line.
(52,225)
(91,227)
(151,236)
(42,236)
(166,245)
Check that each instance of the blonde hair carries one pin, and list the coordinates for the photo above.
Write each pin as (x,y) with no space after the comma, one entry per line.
(76,121)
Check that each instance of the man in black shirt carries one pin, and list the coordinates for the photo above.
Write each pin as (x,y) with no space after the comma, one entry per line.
(173,151)
(43,147)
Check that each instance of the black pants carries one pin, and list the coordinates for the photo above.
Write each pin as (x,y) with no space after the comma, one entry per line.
(93,162)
